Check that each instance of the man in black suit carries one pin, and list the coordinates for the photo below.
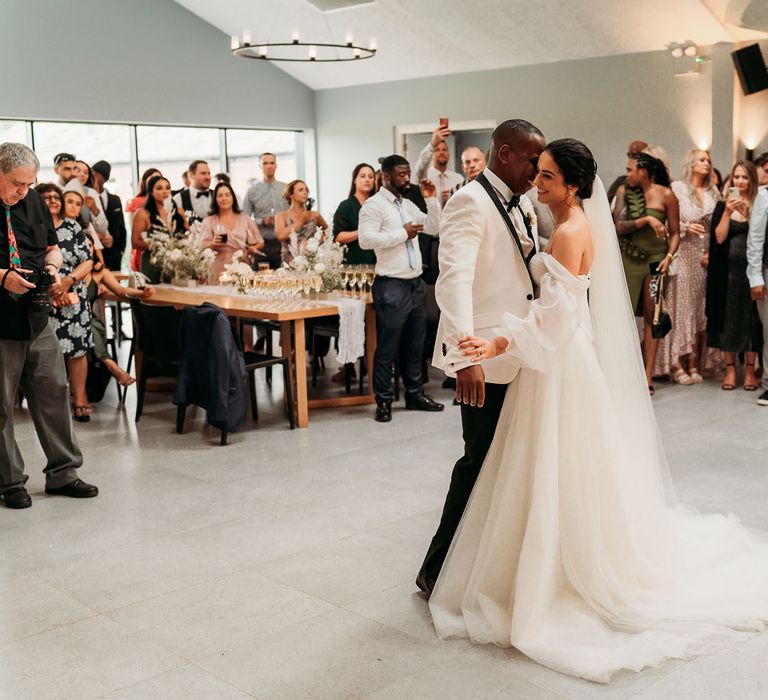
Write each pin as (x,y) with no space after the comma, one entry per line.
(113,208)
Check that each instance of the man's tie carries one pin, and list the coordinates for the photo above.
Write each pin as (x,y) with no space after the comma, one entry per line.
(13,249)
(409,243)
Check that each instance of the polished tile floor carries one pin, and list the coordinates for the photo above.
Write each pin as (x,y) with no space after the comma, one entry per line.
(281,566)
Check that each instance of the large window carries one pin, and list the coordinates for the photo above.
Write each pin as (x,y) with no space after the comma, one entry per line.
(88,142)
(244,146)
(171,149)
(13,131)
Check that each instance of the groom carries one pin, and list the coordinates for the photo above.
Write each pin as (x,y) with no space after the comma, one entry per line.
(487,237)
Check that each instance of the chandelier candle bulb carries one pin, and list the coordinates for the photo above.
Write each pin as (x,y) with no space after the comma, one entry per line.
(372,45)
(357,53)
(262,51)
(295,38)
(350,39)
(246,38)
(312,53)
(234,43)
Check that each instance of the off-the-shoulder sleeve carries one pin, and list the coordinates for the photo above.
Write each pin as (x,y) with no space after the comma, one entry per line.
(551,321)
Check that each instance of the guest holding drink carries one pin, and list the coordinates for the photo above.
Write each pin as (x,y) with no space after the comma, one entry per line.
(733,324)
(648,237)
(345,220)
(297,218)
(679,354)
(227,230)
(156,217)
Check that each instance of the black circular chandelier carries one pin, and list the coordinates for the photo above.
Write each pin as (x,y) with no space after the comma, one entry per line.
(299,51)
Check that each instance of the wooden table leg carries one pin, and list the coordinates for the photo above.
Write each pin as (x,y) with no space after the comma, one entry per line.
(286,347)
(370,346)
(300,351)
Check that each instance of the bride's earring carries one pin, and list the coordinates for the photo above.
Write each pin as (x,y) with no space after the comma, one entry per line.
(569,199)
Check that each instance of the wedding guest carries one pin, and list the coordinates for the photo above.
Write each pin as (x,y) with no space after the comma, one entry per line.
(761,163)
(195,200)
(71,170)
(388,225)
(679,354)
(297,218)
(757,273)
(733,325)
(717,180)
(346,218)
(473,162)
(649,236)
(636,146)
(227,230)
(156,217)
(113,209)
(262,203)
(432,164)
(133,206)
(70,311)
(99,281)
(30,357)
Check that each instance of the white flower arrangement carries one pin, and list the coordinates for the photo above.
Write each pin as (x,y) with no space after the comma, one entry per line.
(320,255)
(238,272)
(181,258)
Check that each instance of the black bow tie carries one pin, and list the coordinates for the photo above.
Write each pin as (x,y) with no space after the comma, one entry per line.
(514,200)
(203,194)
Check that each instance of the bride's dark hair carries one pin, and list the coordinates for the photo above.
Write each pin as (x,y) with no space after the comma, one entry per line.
(576,163)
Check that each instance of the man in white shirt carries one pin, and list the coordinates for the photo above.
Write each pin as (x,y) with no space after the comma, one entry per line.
(436,152)
(389,225)
(757,272)
(66,166)
(195,200)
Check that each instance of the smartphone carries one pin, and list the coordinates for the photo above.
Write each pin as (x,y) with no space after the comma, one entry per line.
(443,122)
(224,237)
(734,192)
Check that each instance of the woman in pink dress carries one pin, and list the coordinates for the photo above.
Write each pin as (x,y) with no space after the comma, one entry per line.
(138,203)
(678,353)
(228,230)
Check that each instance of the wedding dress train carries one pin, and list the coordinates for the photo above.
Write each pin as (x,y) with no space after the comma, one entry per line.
(569,549)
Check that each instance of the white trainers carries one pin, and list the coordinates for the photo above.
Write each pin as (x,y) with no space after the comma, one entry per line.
(762,400)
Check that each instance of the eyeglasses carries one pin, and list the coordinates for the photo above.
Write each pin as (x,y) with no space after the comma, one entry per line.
(61,157)
(51,197)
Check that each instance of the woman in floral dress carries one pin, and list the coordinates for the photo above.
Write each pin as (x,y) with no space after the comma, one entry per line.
(70,310)
(678,353)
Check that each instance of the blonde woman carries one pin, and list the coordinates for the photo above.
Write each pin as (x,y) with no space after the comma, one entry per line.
(678,354)
(297,218)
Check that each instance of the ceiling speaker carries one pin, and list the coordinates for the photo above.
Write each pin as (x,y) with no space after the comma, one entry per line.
(751,68)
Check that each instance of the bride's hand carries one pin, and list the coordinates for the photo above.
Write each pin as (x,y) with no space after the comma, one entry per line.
(478,349)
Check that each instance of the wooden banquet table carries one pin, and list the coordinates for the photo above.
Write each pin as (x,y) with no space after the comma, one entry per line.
(291,315)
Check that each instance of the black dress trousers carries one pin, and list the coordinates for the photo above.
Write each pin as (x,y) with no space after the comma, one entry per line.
(401,313)
(478,427)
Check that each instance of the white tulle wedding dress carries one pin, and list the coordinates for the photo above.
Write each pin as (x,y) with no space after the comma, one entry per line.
(572,548)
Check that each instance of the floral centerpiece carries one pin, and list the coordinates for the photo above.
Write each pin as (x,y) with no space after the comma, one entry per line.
(238,273)
(319,255)
(181,259)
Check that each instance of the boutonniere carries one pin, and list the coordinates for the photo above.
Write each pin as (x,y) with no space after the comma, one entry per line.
(530,219)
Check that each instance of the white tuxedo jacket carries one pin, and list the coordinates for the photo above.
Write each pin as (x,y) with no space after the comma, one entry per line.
(482,277)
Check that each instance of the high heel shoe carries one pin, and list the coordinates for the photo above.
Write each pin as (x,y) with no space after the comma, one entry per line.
(727,386)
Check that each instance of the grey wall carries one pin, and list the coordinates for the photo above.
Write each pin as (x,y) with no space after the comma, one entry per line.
(137,61)
(605,102)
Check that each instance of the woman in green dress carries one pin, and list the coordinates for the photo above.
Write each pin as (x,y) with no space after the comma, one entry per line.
(648,223)
(346,217)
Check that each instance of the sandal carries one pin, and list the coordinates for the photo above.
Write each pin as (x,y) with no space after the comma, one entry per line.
(82,414)
(682,377)
(727,386)
(749,387)
(695,375)
(651,389)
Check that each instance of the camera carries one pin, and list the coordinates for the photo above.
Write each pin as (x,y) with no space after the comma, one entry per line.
(39,297)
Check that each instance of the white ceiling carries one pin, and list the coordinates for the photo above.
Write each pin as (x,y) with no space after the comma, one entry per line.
(420,38)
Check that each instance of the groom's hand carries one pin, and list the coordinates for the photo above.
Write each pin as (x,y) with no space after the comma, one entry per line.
(470,386)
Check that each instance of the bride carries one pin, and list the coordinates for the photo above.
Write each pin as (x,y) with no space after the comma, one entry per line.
(572,548)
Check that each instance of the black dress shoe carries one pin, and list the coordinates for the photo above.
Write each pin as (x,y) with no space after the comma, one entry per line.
(74,489)
(423,403)
(425,584)
(383,411)
(17,498)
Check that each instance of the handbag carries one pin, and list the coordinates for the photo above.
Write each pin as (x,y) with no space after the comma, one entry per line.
(662,321)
